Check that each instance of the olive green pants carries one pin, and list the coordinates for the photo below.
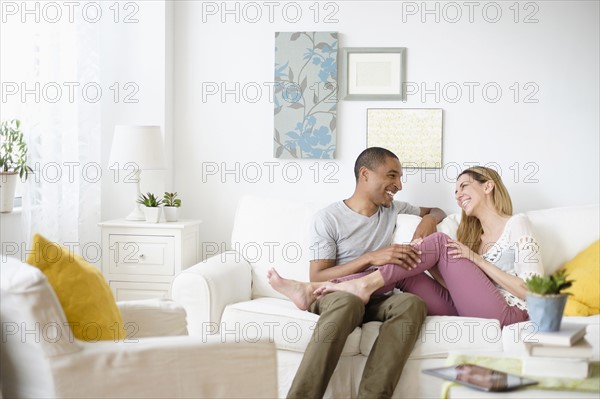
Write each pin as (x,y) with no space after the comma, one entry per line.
(340,313)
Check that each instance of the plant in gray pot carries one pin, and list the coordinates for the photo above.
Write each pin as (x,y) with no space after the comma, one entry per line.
(152,207)
(545,300)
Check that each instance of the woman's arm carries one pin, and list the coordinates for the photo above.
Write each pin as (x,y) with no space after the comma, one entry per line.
(513,284)
(528,259)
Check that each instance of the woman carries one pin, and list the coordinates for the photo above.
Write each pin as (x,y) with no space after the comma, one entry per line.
(482,274)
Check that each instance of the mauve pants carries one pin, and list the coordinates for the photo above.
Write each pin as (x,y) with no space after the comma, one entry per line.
(470,292)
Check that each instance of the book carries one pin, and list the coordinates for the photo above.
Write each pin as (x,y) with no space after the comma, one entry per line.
(555,367)
(581,349)
(568,334)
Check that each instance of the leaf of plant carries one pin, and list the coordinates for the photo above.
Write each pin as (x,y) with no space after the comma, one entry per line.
(278,151)
(296,105)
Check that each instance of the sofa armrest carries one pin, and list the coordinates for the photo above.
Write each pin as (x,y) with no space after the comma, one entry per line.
(153,318)
(207,287)
(167,367)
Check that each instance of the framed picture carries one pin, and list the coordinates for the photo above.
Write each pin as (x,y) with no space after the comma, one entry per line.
(305,95)
(414,135)
(373,73)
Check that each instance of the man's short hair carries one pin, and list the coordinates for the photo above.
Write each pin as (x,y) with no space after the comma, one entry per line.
(371,158)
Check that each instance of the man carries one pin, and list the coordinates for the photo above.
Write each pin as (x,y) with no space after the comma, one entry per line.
(348,237)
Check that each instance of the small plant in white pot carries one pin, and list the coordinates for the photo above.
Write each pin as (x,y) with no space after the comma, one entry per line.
(152,207)
(13,162)
(171,206)
(545,300)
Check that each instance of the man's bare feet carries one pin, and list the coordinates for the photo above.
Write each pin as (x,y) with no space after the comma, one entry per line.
(298,292)
(362,287)
(356,287)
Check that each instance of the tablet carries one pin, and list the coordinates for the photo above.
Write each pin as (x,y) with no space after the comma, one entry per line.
(481,378)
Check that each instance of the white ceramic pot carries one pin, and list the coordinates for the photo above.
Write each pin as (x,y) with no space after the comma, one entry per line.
(152,214)
(8,186)
(171,213)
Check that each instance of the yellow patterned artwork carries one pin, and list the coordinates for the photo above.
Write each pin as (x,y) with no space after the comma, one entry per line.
(414,135)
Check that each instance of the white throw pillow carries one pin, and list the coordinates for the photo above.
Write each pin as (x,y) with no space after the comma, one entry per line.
(405,228)
(407,224)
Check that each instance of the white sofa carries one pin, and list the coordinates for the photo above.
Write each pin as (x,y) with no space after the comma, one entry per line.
(228,294)
(40,358)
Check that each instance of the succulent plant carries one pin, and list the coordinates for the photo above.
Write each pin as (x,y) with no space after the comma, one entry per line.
(549,285)
(149,200)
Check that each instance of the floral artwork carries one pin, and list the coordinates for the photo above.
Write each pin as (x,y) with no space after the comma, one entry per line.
(305,95)
(414,135)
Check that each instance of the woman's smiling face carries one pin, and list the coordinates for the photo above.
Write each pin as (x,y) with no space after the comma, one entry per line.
(469,193)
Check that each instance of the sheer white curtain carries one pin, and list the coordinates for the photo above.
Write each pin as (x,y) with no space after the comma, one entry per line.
(55,68)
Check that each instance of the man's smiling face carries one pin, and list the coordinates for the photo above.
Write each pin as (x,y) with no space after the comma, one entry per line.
(384,182)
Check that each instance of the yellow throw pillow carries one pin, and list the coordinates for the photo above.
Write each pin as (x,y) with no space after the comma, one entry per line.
(584,270)
(86,298)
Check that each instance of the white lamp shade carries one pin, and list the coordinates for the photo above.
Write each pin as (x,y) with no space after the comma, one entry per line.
(141,146)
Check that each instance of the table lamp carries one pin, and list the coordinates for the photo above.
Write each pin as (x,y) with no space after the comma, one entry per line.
(137,148)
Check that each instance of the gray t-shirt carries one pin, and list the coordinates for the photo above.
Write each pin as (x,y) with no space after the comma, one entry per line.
(339,233)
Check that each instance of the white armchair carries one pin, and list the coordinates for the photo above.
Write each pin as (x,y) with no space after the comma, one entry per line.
(39,356)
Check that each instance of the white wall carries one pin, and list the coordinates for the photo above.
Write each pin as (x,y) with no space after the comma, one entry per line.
(547,151)
(136,57)
(177,47)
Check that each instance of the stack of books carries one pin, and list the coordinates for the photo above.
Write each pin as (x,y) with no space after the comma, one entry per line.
(562,354)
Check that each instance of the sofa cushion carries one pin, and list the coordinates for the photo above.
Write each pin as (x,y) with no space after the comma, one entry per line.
(275,320)
(291,329)
(407,224)
(442,334)
(273,233)
(158,317)
(81,289)
(30,312)
(584,270)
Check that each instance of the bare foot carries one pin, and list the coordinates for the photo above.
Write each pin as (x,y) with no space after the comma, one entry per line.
(357,287)
(298,292)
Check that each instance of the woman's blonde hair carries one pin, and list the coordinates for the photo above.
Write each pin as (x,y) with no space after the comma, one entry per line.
(470,230)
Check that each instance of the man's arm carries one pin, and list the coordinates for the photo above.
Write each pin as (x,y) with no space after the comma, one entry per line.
(406,256)
(430,218)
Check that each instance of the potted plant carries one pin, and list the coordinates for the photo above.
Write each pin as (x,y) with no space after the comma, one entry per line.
(171,206)
(13,162)
(545,300)
(152,207)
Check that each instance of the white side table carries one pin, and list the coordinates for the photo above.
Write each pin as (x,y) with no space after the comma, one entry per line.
(140,259)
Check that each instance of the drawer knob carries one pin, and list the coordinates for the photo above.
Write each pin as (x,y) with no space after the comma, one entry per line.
(141,256)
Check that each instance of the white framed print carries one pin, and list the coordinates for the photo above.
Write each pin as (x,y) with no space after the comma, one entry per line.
(373,73)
